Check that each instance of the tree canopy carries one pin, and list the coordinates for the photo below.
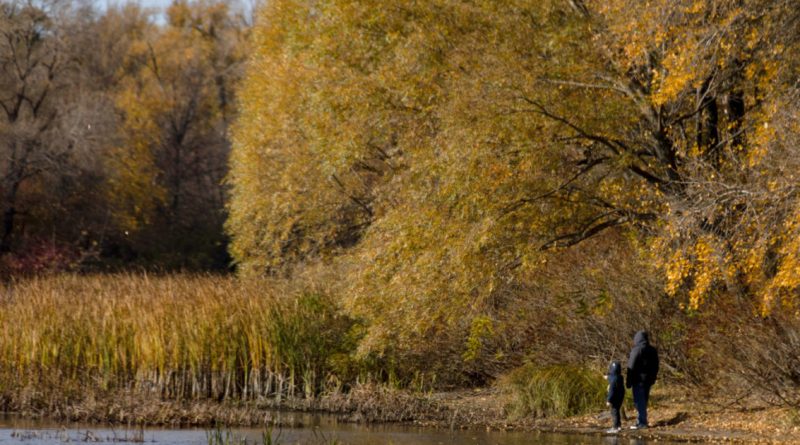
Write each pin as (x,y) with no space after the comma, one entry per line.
(443,154)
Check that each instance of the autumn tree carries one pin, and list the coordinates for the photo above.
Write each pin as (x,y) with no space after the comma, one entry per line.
(113,133)
(48,144)
(176,100)
(705,86)
(441,162)
(394,142)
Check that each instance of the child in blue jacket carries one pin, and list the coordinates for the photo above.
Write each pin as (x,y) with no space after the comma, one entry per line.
(616,394)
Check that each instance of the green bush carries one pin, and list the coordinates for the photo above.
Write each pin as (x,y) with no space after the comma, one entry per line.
(560,390)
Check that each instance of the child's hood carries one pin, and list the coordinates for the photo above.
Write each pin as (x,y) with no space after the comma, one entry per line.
(615,368)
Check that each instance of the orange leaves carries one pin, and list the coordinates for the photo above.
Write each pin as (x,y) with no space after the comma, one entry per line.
(680,72)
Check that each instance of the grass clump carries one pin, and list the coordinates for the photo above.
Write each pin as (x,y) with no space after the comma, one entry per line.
(558,390)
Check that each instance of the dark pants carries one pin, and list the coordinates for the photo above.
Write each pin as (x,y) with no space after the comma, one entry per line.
(641,394)
(615,420)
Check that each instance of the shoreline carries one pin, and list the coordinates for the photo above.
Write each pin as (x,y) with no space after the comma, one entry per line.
(672,418)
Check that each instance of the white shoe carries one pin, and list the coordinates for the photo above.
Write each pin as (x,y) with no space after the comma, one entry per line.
(612,431)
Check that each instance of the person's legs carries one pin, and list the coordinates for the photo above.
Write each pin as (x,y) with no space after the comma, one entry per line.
(640,396)
(615,420)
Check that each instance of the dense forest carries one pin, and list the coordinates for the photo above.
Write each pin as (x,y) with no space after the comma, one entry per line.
(113,134)
(438,192)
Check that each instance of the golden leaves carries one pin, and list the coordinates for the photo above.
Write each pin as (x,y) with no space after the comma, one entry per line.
(432,154)
(174,100)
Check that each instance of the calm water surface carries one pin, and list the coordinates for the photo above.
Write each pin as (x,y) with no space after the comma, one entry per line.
(306,429)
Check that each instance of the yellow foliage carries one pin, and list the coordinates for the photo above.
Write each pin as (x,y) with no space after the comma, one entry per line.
(172,98)
(436,158)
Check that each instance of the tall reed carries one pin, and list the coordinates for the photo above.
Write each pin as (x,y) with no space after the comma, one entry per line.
(561,390)
(180,337)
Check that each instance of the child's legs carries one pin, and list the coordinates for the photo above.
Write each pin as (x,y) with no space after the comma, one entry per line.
(615,418)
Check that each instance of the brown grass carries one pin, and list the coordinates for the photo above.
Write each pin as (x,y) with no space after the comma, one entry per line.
(173,338)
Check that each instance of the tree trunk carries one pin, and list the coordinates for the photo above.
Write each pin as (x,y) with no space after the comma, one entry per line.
(8,228)
(708,125)
(736,112)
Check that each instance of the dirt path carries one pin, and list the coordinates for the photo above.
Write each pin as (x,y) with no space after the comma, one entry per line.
(673,417)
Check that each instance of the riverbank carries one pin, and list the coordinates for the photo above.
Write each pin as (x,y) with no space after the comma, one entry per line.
(199,351)
(674,417)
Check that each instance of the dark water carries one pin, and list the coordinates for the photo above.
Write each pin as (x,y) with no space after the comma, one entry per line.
(306,430)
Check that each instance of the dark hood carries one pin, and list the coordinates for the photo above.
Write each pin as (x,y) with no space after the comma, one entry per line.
(615,368)
(641,339)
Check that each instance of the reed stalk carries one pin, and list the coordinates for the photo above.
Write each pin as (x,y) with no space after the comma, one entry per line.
(181,337)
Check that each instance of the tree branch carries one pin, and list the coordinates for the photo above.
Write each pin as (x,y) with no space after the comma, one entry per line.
(353,198)
(521,202)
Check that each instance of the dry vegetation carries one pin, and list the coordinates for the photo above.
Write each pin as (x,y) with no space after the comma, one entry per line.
(181,338)
(488,198)
(199,350)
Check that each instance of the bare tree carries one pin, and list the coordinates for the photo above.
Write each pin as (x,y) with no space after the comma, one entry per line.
(33,67)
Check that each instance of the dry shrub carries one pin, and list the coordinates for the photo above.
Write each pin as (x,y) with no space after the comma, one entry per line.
(561,390)
(750,357)
(584,308)
(39,257)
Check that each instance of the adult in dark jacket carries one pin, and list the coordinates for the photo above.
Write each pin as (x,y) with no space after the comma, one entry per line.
(642,373)
(616,394)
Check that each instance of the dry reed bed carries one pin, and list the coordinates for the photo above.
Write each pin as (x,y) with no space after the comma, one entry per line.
(177,337)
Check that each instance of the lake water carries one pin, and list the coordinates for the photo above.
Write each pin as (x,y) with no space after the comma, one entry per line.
(305,430)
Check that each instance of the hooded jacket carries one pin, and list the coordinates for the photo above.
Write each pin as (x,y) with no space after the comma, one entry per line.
(616,385)
(643,361)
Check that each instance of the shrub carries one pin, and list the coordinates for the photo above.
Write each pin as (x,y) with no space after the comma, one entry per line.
(560,390)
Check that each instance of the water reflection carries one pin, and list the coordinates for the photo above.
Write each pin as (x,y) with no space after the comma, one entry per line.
(306,430)
(617,440)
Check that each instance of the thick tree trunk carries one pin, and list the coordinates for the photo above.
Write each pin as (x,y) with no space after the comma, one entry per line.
(711,136)
(9,216)
(708,125)
(736,112)
(8,228)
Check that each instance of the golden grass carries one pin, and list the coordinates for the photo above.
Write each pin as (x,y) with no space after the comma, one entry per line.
(178,337)
(561,391)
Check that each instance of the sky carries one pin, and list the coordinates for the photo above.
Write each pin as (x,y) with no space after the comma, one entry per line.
(162,4)
(155,3)
(147,3)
